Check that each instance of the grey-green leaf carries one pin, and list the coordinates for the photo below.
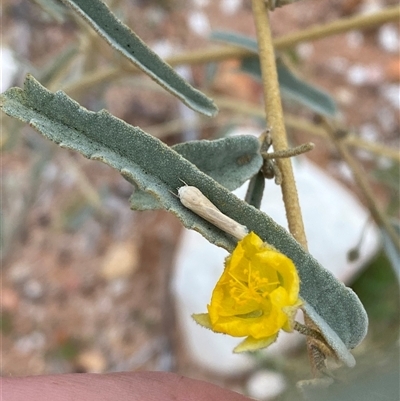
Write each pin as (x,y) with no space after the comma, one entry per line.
(236,39)
(309,95)
(230,161)
(121,38)
(255,190)
(155,168)
(293,87)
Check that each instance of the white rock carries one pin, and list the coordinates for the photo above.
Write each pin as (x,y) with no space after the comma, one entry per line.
(230,7)
(199,23)
(265,385)
(391,92)
(369,132)
(334,220)
(388,38)
(9,68)
(338,65)
(34,341)
(305,50)
(371,6)
(33,289)
(201,3)
(359,75)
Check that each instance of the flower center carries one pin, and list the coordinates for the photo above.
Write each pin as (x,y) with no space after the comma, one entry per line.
(254,289)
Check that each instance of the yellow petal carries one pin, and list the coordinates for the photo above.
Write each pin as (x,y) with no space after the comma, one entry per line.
(203,319)
(252,344)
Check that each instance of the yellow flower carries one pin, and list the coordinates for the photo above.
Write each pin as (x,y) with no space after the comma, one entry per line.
(256,296)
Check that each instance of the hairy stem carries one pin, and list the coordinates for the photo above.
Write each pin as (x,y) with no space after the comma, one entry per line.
(274,115)
(340,26)
(298,150)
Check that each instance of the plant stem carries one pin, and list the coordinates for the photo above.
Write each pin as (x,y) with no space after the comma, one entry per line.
(303,124)
(298,150)
(351,139)
(339,26)
(360,178)
(274,116)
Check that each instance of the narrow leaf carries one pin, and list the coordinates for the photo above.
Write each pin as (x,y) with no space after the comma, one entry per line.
(236,39)
(155,168)
(255,190)
(121,38)
(309,95)
(292,86)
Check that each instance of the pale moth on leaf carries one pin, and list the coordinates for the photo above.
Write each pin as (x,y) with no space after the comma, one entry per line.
(193,199)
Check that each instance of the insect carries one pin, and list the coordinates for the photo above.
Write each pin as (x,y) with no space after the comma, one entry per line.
(193,199)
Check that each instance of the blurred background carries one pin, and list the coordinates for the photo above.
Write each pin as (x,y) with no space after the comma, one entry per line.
(88,285)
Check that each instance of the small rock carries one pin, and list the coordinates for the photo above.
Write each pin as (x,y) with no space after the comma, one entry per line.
(371,6)
(19,272)
(265,385)
(391,92)
(344,96)
(118,287)
(9,68)
(388,38)
(230,7)
(338,65)
(360,75)
(92,361)
(120,261)
(198,22)
(305,50)
(369,132)
(32,342)
(33,289)
(201,3)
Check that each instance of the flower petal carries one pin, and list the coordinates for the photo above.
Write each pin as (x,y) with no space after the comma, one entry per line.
(203,319)
(252,344)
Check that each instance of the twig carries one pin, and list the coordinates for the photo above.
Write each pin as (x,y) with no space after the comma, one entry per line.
(351,139)
(306,126)
(340,26)
(274,115)
(360,178)
(296,151)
